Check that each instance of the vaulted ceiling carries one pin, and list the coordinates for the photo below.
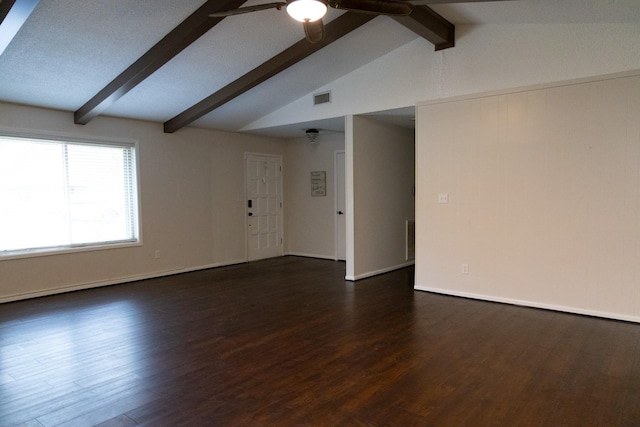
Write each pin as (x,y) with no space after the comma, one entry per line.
(168,61)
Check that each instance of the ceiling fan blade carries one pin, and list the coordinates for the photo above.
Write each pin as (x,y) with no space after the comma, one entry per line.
(431,2)
(375,7)
(247,9)
(314,30)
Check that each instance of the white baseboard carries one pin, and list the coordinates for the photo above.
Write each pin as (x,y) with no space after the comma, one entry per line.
(117,281)
(524,303)
(381,271)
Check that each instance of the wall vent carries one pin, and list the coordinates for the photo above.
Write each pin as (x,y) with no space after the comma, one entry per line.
(411,239)
(321,98)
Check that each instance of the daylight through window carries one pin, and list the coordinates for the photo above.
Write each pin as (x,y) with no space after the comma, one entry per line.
(57,195)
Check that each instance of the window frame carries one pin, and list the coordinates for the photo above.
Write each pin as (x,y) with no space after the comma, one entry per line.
(86,140)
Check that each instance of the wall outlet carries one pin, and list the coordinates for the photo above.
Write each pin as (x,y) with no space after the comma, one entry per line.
(157,254)
(464,269)
(443,198)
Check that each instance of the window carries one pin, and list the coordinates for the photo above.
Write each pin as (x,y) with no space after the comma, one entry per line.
(60,195)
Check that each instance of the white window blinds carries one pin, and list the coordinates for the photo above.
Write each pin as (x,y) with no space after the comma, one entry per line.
(57,195)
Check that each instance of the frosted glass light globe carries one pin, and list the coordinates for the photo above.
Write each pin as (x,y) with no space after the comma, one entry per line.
(306,10)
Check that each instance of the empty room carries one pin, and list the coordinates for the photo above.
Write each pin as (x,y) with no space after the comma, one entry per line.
(371,213)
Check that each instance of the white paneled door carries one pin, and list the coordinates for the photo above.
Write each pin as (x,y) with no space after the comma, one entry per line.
(264,206)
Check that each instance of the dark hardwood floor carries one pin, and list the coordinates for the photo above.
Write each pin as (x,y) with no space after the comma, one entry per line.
(287,342)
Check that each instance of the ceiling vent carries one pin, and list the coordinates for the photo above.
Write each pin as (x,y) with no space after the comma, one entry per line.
(321,98)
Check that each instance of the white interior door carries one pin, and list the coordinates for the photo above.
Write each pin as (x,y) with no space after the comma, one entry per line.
(341,218)
(264,206)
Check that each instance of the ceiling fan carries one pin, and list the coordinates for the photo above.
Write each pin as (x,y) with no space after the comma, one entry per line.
(310,12)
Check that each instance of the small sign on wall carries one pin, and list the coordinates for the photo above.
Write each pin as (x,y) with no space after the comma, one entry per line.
(318,184)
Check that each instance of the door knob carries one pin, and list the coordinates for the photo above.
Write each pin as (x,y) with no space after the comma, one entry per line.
(250,213)
(340,213)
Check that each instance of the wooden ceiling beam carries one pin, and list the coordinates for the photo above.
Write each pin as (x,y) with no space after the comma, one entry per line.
(425,22)
(334,30)
(188,31)
(13,15)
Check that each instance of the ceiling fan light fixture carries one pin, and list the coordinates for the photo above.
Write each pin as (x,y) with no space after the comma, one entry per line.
(306,10)
(312,135)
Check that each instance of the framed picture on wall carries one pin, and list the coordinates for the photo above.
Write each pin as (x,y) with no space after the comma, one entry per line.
(318,184)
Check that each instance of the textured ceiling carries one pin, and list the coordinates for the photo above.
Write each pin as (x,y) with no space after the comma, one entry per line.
(70,49)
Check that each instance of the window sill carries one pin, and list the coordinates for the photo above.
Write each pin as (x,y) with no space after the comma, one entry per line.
(63,250)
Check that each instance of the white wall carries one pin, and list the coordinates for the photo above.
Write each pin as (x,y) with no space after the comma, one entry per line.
(380,165)
(192,204)
(310,221)
(486,57)
(544,187)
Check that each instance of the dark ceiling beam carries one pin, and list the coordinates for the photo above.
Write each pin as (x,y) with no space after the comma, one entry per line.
(425,22)
(13,14)
(188,31)
(335,29)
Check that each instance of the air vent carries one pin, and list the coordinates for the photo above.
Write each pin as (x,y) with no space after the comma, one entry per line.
(321,98)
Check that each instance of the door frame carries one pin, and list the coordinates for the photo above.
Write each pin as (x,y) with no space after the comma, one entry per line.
(245,212)
(335,202)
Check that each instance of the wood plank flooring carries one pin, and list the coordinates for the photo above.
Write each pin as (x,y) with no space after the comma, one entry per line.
(287,342)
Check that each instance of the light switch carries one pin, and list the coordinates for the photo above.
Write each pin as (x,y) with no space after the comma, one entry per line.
(443,198)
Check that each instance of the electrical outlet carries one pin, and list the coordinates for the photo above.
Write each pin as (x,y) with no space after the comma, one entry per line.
(464,269)
(443,198)
(157,254)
